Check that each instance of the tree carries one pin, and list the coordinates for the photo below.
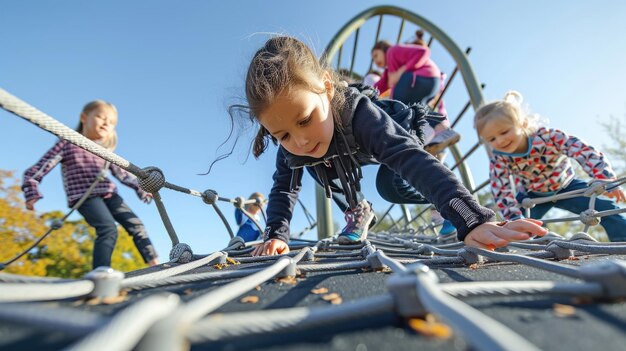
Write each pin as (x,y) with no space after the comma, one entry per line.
(617,152)
(66,252)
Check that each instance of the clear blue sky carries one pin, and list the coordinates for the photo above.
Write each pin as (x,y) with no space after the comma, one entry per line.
(172,68)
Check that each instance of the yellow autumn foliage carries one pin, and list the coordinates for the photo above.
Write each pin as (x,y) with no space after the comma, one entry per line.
(66,252)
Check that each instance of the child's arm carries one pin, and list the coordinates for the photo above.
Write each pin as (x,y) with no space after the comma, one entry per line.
(499,177)
(492,235)
(239,217)
(392,145)
(131,181)
(34,175)
(279,209)
(592,161)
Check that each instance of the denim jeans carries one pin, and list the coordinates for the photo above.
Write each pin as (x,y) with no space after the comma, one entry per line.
(615,225)
(416,89)
(102,214)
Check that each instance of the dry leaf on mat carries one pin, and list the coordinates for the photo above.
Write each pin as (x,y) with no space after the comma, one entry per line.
(249,299)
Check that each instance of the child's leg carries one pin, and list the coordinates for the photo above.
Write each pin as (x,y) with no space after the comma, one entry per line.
(410,89)
(133,225)
(98,216)
(615,226)
(394,189)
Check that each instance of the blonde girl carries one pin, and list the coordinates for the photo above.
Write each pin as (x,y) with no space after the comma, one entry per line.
(80,169)
(538,161)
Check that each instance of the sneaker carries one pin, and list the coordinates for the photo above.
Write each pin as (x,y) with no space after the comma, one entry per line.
(442,140)
(447,233)
(358,222)
(436,217)
(447,228)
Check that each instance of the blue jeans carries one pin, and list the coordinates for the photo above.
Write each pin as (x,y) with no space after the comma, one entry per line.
(101,214)
(615,225)
(417,89)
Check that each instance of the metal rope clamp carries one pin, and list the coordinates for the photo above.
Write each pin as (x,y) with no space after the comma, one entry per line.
(374,261)
(291,271)
(560,253)
(403,289)
(528,203)
(470,257)
(610,274)
(588,217)
(106,282)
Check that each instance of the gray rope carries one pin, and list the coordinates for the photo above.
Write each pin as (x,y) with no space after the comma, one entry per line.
(194,277)
(323,267)
(435,261)
(44,291)
(167,334)
(16,278)
(235,325)
(43,121)
(128,326)
(37,315)
(154,276)
(533,262)
(480,331)
(594,248)
(472,289)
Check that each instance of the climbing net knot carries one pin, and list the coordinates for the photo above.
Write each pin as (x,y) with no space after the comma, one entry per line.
(153,180)
(181,253)
(209,197)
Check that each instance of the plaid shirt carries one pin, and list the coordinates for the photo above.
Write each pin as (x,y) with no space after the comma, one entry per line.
(80,168)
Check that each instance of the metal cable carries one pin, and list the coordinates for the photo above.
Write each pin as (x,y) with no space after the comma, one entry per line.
(242,324)
(150,277)
(128,326)
(45,291)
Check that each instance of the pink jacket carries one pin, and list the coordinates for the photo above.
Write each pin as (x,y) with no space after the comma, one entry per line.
(415,58)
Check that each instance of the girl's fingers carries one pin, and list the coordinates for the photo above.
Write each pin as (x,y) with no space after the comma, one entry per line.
(487,239)
(526,226)
(510,234)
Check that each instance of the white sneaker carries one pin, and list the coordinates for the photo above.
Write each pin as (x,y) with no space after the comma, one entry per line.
(442,140)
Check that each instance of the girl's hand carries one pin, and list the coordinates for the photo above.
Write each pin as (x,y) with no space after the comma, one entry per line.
(491,235)
(394,77)
(271,247)
(30,205)
(617,194)
(147,198)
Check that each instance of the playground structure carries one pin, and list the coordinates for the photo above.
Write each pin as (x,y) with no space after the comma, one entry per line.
(162,321)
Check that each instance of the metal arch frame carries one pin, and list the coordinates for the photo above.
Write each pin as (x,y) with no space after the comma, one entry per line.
(470,79)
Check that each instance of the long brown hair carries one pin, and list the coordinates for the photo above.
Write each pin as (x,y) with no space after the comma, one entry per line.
(282,64)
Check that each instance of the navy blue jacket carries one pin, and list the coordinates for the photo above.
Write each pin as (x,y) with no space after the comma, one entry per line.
(377,137)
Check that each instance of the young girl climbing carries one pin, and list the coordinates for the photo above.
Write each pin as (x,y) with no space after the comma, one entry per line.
(80,170)
(248,231)
(332,130)
(538,160)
